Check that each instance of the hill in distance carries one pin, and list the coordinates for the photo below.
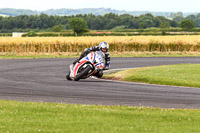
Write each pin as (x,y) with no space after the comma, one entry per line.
(66,11)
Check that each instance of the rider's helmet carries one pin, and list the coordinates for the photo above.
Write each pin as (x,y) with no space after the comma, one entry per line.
(104,47)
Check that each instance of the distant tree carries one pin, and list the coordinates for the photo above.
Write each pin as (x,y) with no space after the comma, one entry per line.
(43,21)
(141,25)
(191,17)
(187,24)
(177,14)
(197,21)
(178,19)
(147,19)
(164,26)
(58,28)
(127,21)
(173,24)
(78,25)
(198,15)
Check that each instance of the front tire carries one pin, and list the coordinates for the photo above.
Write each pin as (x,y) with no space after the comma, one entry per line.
(68,76)
(82,73)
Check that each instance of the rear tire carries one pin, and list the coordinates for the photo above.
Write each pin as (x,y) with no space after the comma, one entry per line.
(82,73)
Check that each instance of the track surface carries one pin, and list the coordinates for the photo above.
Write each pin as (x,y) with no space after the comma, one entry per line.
(44,80)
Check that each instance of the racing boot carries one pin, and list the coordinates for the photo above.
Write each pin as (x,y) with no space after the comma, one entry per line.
(99,74)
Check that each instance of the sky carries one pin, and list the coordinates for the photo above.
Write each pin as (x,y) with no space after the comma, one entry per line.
(128,5)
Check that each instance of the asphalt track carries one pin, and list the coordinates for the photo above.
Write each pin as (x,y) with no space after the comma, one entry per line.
(44,80)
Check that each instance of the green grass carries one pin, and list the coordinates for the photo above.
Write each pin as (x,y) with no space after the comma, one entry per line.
(34,56)
(37,55)
(113,54)
(52,117)
(178,75)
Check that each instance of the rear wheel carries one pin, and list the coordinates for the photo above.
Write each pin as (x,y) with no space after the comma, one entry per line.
(82,73)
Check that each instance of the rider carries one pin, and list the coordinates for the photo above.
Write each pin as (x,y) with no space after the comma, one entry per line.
(103,47)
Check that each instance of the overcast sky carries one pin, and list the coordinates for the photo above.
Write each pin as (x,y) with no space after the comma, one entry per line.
(128,5)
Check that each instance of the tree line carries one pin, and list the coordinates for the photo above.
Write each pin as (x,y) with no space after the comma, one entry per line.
(101,22)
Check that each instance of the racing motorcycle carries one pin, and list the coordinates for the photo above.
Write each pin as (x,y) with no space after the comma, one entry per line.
(86,67)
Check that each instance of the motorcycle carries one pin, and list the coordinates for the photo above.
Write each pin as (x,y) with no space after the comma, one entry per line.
(86,67)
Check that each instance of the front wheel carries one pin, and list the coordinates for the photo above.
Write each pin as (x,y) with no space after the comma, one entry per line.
(82,73)
(68,76)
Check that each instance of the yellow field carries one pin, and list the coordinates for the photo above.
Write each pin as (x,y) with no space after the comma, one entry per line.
(117,43)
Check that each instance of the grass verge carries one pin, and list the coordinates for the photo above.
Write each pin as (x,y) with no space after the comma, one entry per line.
(52,117)
(113,54)
(37,55)
(178,75)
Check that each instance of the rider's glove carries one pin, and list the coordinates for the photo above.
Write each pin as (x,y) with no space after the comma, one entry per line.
(87,51)
(75,61)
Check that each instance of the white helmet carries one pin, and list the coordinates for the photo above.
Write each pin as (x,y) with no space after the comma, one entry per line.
(104,47)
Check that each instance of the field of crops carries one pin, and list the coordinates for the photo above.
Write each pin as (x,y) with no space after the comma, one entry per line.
(117,43)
